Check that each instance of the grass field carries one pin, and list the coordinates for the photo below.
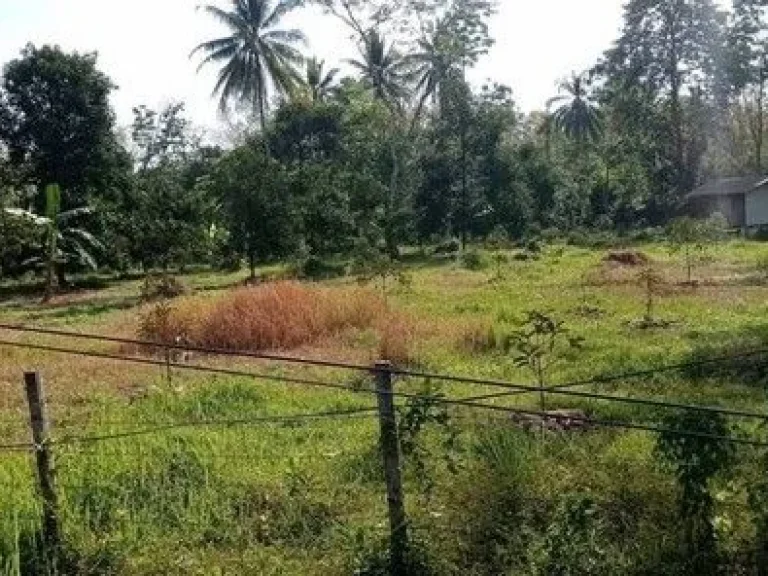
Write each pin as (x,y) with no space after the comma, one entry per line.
(308,498)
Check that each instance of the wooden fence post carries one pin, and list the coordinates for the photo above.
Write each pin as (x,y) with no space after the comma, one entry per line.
(45,469)
(390,448)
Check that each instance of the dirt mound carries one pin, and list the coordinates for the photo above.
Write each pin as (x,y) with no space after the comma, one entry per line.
(627,258)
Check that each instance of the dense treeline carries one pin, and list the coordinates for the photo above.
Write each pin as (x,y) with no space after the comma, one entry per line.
(402,150)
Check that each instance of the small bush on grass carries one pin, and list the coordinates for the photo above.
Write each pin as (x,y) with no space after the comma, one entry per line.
(448,248)
(162,287)
(283,315)
(474,260)
(479,338)
(314,268)
(396,341)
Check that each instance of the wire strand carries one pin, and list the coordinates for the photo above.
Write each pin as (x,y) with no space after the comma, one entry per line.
(519,389)
(66,441)
(188,367)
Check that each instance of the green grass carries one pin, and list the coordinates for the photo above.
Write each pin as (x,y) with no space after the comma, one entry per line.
(307,498)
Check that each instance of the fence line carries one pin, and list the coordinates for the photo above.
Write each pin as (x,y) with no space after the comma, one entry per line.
(469,402)
(181,347)
(43,446)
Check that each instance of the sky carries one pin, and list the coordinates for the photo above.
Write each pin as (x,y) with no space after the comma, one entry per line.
(144,45)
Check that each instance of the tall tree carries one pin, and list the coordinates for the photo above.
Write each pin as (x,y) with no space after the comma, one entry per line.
(577,116)
(257,57)
(666,45)
(383,69)
(747,68)
(261,215)
(57,124)
(319,82)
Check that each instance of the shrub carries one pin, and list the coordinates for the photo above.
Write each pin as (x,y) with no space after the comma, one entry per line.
(314,268)
(282,315)
(592,238)
(162,287)
(166,324)
(479,338)
(474,260)
(448,248)
(396,341)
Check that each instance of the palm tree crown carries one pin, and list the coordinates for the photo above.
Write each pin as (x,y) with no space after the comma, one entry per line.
(577,117)
(318,81)
(383,68)
(432,64)
(256,56)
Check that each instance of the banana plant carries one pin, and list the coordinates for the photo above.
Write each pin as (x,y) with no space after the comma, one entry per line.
(63,242)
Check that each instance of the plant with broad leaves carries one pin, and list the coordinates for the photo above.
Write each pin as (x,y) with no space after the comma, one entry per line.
(64,243)
(692,237)
(537,344)
(420,412)
(693,447)
(373,265)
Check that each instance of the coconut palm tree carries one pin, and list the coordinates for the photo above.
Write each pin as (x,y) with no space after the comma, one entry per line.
(383,69)
(432,65)
(319,82)
(257,57)
(576,116)
(63,243)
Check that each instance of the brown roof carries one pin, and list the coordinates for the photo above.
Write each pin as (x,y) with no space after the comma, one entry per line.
(730,186)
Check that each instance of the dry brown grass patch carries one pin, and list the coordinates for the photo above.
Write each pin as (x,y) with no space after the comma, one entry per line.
(283,315)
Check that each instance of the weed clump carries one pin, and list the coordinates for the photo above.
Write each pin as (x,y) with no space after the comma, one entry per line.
(283,315)
(162,287)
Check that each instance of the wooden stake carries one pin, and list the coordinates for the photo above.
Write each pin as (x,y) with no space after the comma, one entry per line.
(390,448)
(45,469)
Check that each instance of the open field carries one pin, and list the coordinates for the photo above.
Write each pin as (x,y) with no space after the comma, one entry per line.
(307,497)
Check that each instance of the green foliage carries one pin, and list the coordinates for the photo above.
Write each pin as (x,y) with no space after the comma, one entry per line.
(416,417)
(691,236)
(162,287)
(374,265)
(57,124)
(577,117)
(256,56)
(696,459)
(573,543)
(474,260)
(538,342)
(261,213)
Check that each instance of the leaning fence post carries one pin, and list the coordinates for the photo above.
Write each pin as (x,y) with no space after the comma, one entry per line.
(390,448)
(33,384)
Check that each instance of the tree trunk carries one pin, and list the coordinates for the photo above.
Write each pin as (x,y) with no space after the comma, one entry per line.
(760,128)
(50,265)
(464,202)
(252,266)
(390,239)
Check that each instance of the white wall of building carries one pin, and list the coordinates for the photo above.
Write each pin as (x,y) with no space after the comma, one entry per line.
(756,206)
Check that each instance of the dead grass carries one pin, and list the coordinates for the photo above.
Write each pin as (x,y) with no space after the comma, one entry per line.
(279,316)
(397,337)
(478,338)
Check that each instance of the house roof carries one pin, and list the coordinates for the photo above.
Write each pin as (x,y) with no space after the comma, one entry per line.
(730,186)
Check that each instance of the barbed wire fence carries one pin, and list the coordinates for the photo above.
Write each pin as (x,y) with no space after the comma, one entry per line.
(383,378)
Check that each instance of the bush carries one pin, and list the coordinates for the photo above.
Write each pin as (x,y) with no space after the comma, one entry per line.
(162,287)
(396,341)
(479,338)
(474,260)
(266,317)
(592,238)
(314,268)
(449,248)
